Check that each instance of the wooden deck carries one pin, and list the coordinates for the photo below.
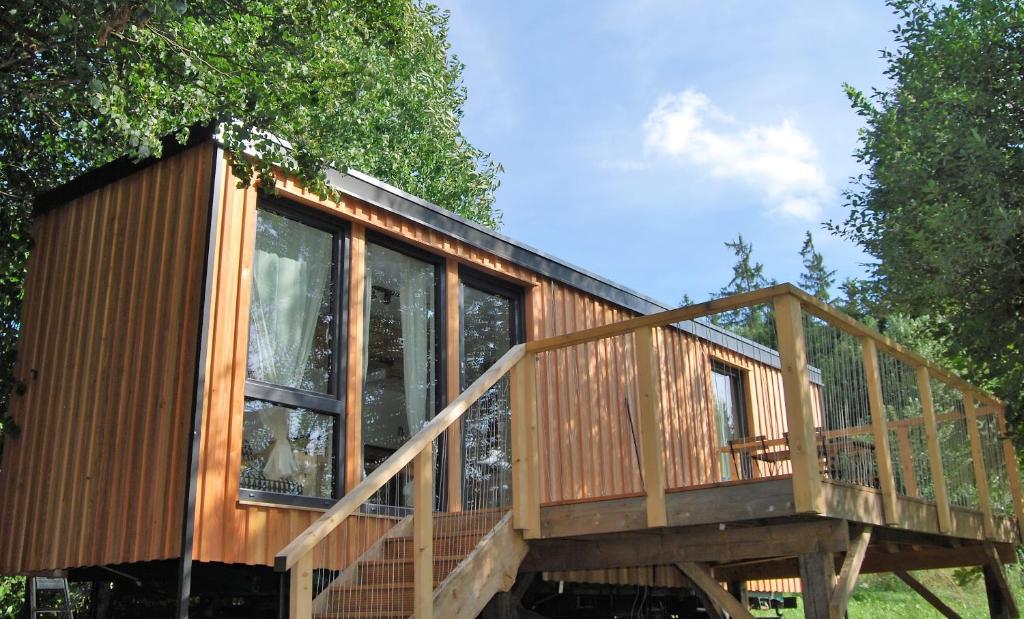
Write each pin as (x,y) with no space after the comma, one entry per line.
(750,531)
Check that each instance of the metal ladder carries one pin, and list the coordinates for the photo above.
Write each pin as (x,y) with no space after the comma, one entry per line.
(40,583)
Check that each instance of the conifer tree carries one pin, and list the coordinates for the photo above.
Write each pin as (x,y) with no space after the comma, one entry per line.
(815,279)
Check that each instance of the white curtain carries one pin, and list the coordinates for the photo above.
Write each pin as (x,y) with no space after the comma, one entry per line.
(287,293)
(416,299)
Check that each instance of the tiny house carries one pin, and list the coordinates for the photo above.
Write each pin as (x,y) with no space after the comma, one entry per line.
(375,408)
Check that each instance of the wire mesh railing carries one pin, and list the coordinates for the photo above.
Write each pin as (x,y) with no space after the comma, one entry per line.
(845,435)
(992,455)
(875,415)
(955,441)
(380,581)
(905,419)
(382,550)
(649,405)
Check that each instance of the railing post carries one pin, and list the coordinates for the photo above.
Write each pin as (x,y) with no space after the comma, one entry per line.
(525,448)
(423,533)
(650,426)
(1012,470)
(880,427)
(931,431)
(978,458)
(300,589)
(796,386)
(907,460)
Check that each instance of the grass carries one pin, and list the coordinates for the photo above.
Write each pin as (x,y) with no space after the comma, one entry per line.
(884,595)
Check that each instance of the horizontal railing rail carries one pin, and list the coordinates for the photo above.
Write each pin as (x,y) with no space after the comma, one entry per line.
(845,405)
(851,415)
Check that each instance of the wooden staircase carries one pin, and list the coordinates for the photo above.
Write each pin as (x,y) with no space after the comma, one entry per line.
(476,554)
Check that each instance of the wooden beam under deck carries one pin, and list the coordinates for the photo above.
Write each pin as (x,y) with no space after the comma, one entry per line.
(702,543)
(877,560)
(770,499)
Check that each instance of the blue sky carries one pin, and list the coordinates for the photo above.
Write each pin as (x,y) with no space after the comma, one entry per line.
(639,136)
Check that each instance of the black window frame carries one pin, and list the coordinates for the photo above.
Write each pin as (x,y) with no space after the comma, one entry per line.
(332,403)
(489,284)
(739,393)
(438,261)
(496,286)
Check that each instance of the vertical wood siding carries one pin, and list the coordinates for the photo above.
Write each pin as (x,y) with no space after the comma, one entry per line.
(587,448)
(109,331)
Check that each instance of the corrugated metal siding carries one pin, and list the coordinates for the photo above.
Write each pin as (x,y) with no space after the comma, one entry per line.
(110,325)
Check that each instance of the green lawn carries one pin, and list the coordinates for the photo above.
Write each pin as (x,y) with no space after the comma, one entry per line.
(884,595)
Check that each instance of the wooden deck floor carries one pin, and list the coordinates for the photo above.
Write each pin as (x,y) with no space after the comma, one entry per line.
(749,531)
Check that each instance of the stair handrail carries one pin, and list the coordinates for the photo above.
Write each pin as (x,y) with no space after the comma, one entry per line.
(306,541)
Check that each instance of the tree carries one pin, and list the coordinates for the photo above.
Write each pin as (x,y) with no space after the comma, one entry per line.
(941,206)
(747,275)
(815,278)
(369,84)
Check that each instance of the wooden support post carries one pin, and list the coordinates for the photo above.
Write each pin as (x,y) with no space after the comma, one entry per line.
(849,573)
(1012,468)
(929,597)
(1000,599)
(300,589)
(650,426)
(907,461)
(931,431)
(880,428)
(796,385)
(817,580)
(700,575)
(980,475)
(525,446)
(453,378)
(423,533)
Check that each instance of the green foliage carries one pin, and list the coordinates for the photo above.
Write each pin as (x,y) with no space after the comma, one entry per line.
(12,595)
(815,278)
(941,206)
(369,84)
(747,274)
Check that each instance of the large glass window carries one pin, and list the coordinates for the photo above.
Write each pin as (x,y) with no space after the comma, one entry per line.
(402,355)
(291,429)
(730,419)
(491,324)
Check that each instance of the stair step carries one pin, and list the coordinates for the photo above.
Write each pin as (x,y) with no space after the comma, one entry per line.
(386,597)
(358,614)
(401,570)
(402,547)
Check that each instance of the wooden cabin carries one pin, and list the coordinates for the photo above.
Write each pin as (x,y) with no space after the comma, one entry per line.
(262,402)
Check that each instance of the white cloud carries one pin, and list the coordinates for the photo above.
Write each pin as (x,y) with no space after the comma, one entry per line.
(779,161)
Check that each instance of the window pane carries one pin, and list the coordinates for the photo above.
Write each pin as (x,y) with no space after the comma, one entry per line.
(287,450)
(730,418)
(486,331)
(486,428)
(400,351)
(290,316)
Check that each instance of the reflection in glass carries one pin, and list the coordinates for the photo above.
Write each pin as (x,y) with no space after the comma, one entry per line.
(400,353)
(487,334)
(290,312)
(730,418)
(287,450)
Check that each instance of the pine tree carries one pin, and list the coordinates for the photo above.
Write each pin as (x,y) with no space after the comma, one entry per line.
(747,274)
(815,279)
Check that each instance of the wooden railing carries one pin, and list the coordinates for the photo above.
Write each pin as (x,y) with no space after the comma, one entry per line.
(818,446)
(805,438)
(297,558)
